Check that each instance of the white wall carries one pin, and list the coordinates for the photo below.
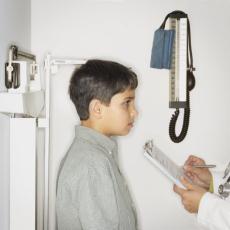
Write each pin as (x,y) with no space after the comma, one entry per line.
(14,29)
(122,30)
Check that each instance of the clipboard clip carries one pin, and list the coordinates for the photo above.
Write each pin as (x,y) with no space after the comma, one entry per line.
(148,147)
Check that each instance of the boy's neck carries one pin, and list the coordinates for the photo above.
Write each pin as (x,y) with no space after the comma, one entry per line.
(90,124)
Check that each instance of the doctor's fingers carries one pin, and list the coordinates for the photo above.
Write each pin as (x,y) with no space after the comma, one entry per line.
(185,197)
(196,180)
(194,160)
(193,170)
(192,176)
(188,185)
(178,190)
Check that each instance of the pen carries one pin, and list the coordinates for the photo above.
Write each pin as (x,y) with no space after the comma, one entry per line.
(204,166)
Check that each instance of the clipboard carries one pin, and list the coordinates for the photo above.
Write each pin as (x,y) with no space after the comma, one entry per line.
(162,162)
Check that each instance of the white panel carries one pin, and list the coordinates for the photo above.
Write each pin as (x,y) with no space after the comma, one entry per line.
(4,170)
(22,173)
(22,103)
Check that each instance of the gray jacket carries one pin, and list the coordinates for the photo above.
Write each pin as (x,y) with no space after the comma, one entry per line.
(91,191)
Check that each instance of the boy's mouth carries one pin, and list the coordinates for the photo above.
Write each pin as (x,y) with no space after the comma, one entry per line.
(131,124)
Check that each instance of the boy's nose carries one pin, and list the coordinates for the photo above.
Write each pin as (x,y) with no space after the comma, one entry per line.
(134,112)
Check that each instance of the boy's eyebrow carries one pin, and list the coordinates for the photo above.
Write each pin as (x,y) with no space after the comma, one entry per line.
(130,98)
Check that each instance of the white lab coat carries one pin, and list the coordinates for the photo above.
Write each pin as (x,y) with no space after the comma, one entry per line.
(214,212)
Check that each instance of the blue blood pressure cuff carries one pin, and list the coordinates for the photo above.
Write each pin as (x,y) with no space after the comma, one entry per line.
(162,49)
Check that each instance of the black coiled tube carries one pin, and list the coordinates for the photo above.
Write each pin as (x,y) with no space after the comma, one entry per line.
(172,124)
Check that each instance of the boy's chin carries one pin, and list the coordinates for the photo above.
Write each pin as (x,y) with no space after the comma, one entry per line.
(124,132)
(120,132)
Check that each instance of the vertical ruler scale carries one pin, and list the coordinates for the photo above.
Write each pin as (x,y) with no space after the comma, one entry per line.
(177,63)
(177,86)
(183,59)
(172,79)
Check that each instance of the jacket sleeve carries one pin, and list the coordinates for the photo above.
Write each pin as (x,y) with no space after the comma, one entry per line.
(97,200)
(214,212)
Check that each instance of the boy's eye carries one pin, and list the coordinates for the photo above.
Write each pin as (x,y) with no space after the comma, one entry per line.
(126,103)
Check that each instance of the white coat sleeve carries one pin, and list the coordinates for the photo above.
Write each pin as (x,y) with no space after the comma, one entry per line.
(214,212)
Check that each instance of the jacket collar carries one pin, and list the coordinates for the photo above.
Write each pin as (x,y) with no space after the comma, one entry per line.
(95,137)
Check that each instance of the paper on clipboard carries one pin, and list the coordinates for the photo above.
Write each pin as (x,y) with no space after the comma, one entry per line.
(164,163)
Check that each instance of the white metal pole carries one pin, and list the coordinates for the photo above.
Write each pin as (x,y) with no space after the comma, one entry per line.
(51,67)
(47,143)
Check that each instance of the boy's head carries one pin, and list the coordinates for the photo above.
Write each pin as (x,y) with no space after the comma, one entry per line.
(94,85)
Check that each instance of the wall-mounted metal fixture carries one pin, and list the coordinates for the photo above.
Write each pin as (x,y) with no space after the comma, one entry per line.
(18,72)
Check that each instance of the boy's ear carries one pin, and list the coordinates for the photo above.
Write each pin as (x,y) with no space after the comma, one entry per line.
(95,108)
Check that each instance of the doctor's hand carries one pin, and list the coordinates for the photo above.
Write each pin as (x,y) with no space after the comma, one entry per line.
(199,176)
(191,196)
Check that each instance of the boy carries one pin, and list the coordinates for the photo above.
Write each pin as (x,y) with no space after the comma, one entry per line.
(91,192)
